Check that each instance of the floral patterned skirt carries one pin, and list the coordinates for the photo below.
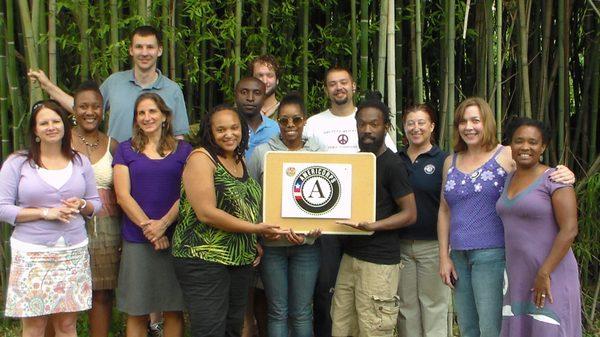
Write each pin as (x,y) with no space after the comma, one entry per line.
(44,283)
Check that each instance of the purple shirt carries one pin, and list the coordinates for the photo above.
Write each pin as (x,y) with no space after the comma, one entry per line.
(155,184)
(474,223)
(22,187)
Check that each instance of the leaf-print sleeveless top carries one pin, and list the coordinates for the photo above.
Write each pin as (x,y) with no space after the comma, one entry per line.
(240,197)
(471,197)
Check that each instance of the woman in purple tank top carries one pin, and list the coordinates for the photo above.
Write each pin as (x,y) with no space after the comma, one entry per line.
(468,223)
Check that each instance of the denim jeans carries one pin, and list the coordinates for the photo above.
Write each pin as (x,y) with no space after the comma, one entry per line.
(331,255)
(289,275)
(478,294)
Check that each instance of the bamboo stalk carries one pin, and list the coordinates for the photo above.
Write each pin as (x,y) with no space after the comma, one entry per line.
(353,37)
(524,62)
(102,23)
(114,36)
(561,80)
(481,49)
(305,8)
(444,86)
(52,74)
(202,76)
(43,31)
(35,92)
(164,19)
(4,123)
(419,78)
(238,40)
(489,32)
(84,69)
(35,19)
(595,92)
(264,24)
(543,87)
(364,44)
(172,49)
(381,53)
(399,59)
(451,41)
(13,82)
(499,61)
(391,67)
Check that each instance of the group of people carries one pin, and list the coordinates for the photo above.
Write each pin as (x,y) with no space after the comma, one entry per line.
(171,228)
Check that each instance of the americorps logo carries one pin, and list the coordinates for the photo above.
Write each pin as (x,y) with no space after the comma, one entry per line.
(316,190)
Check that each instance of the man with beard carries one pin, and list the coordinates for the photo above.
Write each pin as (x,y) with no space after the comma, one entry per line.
(121,89)
(365,302)
(336,126)
(336,129)
(266,69)
(249,99)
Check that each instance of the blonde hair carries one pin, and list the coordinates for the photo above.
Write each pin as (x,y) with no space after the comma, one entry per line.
(489,139)
(139,139)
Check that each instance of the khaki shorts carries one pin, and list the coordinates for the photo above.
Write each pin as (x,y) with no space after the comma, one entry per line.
(365,302)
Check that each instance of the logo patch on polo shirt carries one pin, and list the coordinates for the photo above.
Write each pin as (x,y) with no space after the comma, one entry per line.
(429,169)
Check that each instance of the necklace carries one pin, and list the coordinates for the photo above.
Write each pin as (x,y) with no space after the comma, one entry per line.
(92,146)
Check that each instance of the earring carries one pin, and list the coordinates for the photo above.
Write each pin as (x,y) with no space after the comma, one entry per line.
(37,139)
(164,124)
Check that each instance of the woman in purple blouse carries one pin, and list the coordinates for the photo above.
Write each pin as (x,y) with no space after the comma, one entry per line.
(45,192)
(147,178)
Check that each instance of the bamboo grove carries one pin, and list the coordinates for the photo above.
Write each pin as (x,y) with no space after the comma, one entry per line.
(539,59)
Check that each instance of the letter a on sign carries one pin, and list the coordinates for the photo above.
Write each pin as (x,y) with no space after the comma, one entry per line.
(316,189)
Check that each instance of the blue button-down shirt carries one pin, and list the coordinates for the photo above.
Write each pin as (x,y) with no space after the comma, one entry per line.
(265,131)
(120,90)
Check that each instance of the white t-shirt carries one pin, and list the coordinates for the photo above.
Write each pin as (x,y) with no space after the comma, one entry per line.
(338,133)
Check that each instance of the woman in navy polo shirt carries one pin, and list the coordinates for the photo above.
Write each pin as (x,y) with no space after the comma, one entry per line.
(423,296)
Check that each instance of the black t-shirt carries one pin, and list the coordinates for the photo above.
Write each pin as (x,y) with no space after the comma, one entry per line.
(425,178)
(383,247)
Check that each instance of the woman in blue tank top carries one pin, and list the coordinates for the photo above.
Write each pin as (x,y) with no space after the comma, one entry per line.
(468,223)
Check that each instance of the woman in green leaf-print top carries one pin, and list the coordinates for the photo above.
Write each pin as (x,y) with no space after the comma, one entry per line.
(214,244)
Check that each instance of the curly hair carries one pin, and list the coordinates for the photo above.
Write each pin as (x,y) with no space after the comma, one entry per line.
(206,139)
(373,99)
(268,60)
(515,123)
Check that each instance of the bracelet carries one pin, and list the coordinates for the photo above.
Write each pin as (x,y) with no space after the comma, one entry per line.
(84,204)
(45,213)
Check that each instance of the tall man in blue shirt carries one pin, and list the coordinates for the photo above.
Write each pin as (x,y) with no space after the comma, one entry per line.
(249,99)
(121,89)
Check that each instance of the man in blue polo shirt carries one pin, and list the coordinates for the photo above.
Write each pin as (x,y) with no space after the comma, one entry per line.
(121,89)
(249,99)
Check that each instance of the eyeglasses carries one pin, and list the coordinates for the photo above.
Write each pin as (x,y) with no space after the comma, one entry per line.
(296,120)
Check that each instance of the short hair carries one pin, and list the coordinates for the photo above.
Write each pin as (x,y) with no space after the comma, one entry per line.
(515,123)
(489,141)
(34,152)
(167,140)
(249,78)
(427,109)
(373,99)
(88,85)
(338,68)
(292,98)
(206,139)
(146,31)
(268,60)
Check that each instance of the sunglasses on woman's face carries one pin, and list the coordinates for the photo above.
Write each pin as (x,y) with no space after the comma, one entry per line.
(296,120)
